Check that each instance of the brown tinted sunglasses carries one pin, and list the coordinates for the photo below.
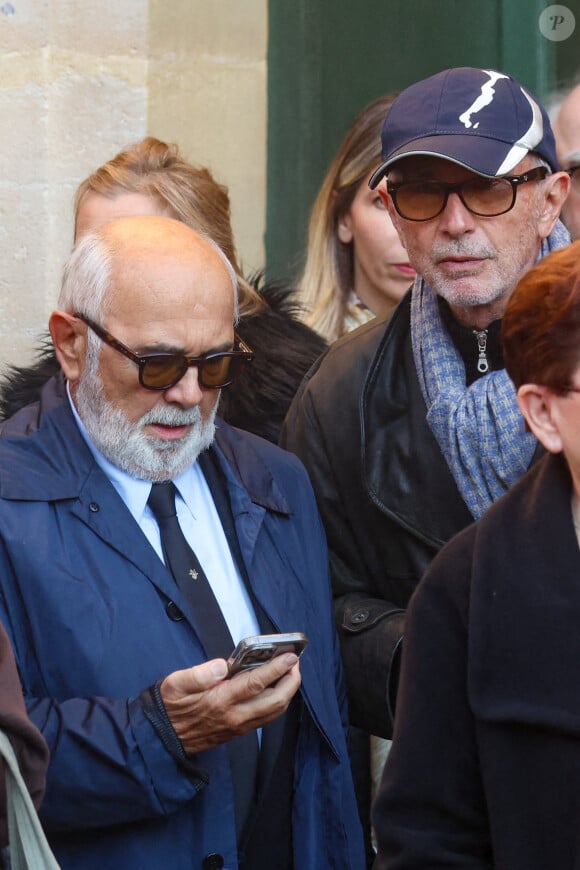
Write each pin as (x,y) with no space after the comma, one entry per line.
(160,371)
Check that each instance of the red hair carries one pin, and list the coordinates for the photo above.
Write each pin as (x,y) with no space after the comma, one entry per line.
(541,324)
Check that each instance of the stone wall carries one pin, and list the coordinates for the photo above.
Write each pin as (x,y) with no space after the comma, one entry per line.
(80,80)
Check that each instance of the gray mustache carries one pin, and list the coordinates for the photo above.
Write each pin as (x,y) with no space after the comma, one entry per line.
(462,249)
(171,417)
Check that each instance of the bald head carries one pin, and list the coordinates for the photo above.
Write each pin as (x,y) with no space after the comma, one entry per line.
(567,132)
(143,258)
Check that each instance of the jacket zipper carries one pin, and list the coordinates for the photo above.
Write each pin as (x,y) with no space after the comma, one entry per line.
(482,362)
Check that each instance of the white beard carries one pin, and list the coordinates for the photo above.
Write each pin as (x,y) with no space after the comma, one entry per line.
(125,444)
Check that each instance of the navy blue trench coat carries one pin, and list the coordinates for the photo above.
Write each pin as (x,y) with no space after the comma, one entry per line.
(84,599)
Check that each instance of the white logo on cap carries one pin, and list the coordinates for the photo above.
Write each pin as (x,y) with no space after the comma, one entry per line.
(483,100)
(530,139)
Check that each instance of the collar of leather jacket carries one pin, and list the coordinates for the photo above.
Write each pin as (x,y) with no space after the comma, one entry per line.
(404,470)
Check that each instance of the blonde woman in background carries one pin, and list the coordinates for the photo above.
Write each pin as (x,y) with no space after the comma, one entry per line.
(152,177)
(356,267)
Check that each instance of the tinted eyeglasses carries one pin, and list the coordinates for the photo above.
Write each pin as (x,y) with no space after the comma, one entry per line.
(160,371)
(485,197)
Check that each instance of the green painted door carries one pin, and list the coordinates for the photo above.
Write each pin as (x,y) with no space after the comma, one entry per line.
(328,58)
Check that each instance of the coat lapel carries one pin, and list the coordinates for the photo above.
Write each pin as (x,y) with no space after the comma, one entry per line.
(100,507)
(276,568)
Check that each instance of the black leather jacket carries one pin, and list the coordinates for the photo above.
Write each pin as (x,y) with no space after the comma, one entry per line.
(387,498)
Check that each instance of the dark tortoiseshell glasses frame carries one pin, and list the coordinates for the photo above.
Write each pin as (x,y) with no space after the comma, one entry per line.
(161,371)
(482,196)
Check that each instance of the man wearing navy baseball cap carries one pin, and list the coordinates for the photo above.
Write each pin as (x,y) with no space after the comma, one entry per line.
(480,119)
(410,428)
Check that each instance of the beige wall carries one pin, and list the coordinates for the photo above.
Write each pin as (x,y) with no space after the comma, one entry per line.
(207,91)
(80,80)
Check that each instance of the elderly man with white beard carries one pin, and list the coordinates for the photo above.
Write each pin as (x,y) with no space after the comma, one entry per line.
(141,539)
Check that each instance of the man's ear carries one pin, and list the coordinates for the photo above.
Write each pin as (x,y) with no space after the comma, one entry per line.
(393,214)
(556,189)
(69,339)
(537,404)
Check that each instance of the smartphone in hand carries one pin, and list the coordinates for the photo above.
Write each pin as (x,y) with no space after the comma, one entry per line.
(261,648)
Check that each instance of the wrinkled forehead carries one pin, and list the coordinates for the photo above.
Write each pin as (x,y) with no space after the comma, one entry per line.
(159,280)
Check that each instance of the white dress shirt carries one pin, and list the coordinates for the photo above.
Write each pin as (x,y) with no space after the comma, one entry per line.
(201,525)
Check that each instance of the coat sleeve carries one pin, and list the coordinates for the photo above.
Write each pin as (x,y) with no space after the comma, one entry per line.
(108,764)
(430,810)
(30,748)
(370,628)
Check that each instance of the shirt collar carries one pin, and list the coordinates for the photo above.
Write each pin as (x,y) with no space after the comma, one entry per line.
(133,491)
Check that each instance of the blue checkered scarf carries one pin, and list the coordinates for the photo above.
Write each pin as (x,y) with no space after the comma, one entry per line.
(479,428)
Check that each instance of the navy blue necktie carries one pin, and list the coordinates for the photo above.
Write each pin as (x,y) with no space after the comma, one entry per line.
(212,630)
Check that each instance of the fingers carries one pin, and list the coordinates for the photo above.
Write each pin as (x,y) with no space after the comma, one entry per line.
(252,682)
(205,717)
(192,681)
(265,697)
(248,684)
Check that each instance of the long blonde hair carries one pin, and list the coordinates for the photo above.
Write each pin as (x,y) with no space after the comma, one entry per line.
(188,193)
(327,279)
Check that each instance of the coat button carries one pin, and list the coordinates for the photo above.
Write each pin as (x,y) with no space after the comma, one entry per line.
(359,616)
(213,861)
(173,612)
(94,508)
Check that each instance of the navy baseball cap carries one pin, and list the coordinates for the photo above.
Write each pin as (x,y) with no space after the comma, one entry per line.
(479,118)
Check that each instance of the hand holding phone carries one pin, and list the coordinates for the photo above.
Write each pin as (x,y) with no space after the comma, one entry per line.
(206,709)
(261,648)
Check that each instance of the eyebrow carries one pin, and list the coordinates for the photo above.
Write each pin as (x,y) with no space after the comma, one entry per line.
(161,347)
